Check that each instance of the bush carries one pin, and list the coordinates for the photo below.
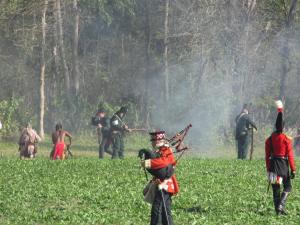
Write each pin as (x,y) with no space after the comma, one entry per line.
(9,110)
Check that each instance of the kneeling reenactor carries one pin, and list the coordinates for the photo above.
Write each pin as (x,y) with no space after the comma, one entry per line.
(27,142)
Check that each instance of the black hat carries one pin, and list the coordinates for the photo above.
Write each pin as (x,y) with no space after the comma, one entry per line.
(279,125)
(101,110)
(123,109)
(157,135)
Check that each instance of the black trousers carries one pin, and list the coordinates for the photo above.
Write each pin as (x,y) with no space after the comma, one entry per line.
(161,208)
(104,145)
(243,146)
(118,146)
(287,187)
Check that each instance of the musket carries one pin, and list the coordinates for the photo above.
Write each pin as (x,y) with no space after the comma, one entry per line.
(69,151)
(138,129)
(251,149)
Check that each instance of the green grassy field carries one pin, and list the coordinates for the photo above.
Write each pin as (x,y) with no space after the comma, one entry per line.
(85,190)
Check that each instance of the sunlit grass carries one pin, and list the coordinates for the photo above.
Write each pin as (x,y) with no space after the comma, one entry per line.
(91,191)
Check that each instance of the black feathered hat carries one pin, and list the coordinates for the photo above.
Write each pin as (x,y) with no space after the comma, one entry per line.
(101,110)
(157,135)
(279,125)
(123,109)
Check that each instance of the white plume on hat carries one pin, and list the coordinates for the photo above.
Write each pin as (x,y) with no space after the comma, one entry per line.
(279,105)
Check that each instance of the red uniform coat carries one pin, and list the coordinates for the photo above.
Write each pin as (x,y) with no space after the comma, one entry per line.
(282,147)
(167,157)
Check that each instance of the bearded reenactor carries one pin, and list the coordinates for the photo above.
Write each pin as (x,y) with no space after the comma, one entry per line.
(103,132)
(118,128)
(166,187)
(242,135)
(279,157)
(27,142)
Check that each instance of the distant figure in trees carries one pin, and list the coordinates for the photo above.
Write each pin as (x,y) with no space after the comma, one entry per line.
(27,142)
(58,140)
(118,128)
(297,142)
(103,132)
(279,157)
(242,135)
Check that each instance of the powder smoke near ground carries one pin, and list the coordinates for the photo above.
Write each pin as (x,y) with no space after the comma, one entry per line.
(221,55)
(237,58)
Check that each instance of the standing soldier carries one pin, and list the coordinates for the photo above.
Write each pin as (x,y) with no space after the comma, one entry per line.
(103,132)
(243,125)
(118,128)
(58,140)
(27,142)
(279,156)
(165,188)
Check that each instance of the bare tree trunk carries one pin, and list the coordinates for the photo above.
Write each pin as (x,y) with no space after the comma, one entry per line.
(62,50)
(42,74)
(147,33)
(286,50)
(75,70)
(165,57)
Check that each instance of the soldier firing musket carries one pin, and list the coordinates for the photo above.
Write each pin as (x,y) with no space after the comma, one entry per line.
(118,128)
(243,125)
(103,131)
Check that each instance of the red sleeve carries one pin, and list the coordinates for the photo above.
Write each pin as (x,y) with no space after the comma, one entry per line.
(267,154)
(291,155)
(166,159)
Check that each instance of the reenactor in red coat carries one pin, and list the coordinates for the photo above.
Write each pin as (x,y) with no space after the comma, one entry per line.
(279,157)
(165,188)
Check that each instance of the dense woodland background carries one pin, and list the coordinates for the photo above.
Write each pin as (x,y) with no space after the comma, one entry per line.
(171,61)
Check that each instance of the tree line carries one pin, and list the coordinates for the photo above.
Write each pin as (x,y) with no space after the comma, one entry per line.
(170,61)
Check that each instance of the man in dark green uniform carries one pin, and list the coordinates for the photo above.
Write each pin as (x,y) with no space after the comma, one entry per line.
(118,128)
(103,132)
(243,125)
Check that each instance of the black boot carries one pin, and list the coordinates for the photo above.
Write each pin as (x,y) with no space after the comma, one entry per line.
(276,198)
(276,201)
(282,203)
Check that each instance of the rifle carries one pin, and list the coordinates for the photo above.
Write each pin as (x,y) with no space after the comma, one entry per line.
(138,129)
(69,151)
(251,149)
